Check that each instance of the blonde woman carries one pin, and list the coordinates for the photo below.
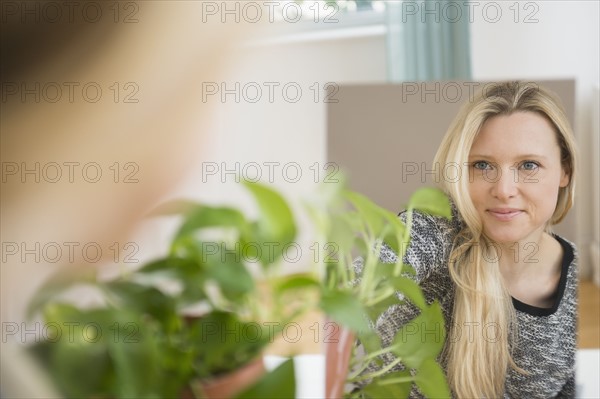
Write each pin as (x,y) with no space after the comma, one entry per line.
(506,283)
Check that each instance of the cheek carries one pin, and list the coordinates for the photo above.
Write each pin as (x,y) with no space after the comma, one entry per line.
(543,196)
(477,192)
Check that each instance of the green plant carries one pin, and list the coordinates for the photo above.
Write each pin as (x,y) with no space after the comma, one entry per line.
(145,341)
(149,343)
(359,227)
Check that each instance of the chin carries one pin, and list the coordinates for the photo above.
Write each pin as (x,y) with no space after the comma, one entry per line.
(503,232)
(509,235)
(504,238)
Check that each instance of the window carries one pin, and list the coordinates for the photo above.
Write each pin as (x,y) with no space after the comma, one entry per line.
(315,20)
(328,12)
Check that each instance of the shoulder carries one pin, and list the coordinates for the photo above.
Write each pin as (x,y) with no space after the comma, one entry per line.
(431,240)
(569,271)
(569,260)
(571,253)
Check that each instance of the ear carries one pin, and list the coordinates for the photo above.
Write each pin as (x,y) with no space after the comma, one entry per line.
(565,176)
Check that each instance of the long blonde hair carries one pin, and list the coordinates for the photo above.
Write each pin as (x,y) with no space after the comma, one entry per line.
(476,364)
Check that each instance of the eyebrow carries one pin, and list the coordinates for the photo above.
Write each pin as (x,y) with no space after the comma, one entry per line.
(523,156)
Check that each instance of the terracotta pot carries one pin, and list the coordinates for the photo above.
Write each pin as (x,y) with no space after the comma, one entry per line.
(229,385)
(338,351)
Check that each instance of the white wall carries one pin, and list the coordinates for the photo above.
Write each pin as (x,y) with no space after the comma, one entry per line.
(289,134)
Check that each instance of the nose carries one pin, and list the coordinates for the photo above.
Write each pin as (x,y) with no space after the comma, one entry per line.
(503,185)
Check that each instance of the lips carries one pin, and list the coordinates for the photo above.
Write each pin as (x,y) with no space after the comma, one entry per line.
(504,214)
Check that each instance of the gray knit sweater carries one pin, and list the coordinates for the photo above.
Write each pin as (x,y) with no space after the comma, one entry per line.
(546,340)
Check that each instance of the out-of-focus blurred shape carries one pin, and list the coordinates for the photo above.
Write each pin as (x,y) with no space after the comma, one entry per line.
(101,113)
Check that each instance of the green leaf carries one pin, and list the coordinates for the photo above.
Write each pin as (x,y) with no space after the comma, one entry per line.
(368,212)
(115,342)
(370,340)
(135,357)
(344,308)
(147,301)
(381,223)
(223,342)
(275,228)
(189,272)
(232,276)
(422,338)
(408,270)
(70,367)
(392,385)
(295,282)
(410,289)
(173,267)
(278,384)
(431,380)
(72,347)
(432,201)
(176,362)
(342,232)
(374,311)
(393,238)
(203,216)
(58,283)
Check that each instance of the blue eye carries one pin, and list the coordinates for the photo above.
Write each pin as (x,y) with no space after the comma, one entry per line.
(530,165)
(482,165)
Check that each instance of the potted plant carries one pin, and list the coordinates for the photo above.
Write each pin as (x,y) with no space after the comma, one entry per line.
(181,325)
(355,298)
(177,325)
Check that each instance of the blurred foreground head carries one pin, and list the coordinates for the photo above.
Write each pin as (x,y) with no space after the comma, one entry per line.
(101,110)
(101,114)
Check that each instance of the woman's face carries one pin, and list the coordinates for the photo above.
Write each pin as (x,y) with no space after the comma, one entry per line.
(515,174)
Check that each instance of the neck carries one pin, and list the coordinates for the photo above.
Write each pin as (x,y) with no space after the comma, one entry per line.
(531,269)
(515,257)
